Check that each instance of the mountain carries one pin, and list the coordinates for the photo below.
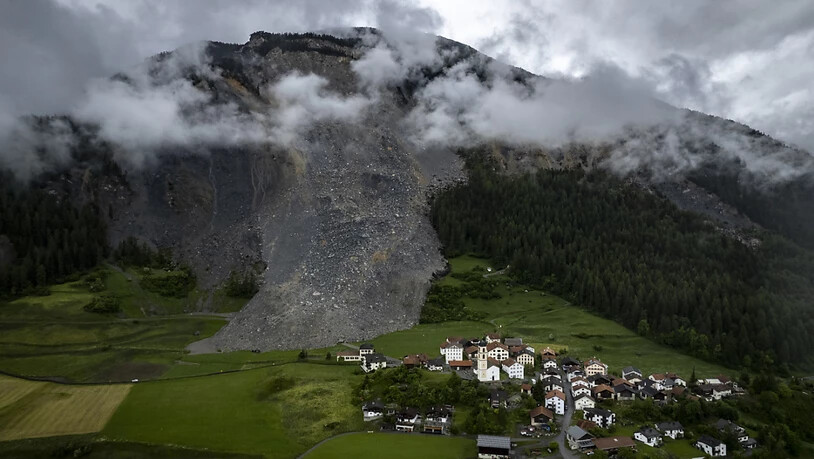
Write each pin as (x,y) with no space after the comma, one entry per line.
(284,159)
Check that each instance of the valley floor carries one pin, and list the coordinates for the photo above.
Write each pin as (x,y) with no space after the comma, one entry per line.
(273,404)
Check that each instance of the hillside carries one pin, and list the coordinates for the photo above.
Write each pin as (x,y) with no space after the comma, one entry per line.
(298,157)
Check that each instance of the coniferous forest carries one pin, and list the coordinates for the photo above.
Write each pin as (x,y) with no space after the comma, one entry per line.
(45,239)
(634,257)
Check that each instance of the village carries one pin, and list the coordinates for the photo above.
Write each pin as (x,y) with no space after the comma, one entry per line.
(567,405)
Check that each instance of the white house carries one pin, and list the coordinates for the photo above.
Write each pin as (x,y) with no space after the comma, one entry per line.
(630,373)
(649,436)
(580,389)
(452,351)
(602,418)
(575,373)
(552,383)
(497,351)
(711,446)
(513,368)
(584,401)
(493,338)
(372,410)
(550,364)
(406,420)
(373,362)
(366,348)
(595,367)
(525,357)
(348,356)
(436,364)
(672,429)
(555,401)
(489,370)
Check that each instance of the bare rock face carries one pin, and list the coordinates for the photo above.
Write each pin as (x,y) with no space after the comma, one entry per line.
(337,221)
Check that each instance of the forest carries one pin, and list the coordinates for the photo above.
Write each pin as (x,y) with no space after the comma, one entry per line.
(44,239)
(632,256)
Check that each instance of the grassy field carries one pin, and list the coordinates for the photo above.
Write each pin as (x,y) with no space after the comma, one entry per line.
(52,336)
(545,319)
(37,409)
(394,446)
(278,412)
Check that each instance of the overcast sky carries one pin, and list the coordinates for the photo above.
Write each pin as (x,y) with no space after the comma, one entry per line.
(751,61)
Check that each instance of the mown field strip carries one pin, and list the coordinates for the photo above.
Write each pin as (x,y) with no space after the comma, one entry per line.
(30,409)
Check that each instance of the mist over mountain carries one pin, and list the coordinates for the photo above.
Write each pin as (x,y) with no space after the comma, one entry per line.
(311,158)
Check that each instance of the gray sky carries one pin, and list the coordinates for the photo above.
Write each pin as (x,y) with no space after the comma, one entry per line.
(751,61)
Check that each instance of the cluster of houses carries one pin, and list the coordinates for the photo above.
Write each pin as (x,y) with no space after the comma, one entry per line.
(435,420)
(587,382)
(367,357)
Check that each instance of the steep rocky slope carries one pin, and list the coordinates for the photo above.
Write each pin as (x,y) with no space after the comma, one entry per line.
(334,217)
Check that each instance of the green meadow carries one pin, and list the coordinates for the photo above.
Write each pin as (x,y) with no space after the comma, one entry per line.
(542,319)
(279,411)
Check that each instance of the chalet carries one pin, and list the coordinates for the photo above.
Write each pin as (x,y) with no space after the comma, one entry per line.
(728,426)
(492,447)
(574,374)
(555,401)
(671,429)
(460,365)
(372,410)
(750,443)
(660,396)
(493,338)
(471,352)
(373,362)
(720,391)
(612,445)
(580,389)
(366,349)
(569,364)
(514,350)
(406,420)
(711,446)
(436,364)
(595,367)
(552,383)
(645,383)
(540,416)
(602,392)
(348,356)
(678,392)
(513,341)
(548,353)
(415,360)
(437,420)
(623,392)
(525,389)
(549,364)
(649,436)
(497,398)
(452,351)
(584,401)
(602,418)
(647,393)
(497,351)
(631,373)
(578,438)
(551,372)
(525,357)
(598,380)
(514,369)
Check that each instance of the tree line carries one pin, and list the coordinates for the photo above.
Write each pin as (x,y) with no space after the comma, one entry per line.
(632,256)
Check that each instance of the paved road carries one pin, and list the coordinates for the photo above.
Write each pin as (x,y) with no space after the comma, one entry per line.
(565,421)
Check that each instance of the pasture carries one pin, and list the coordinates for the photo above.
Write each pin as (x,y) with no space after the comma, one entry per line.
(277,411)
(394,446)
(37,409)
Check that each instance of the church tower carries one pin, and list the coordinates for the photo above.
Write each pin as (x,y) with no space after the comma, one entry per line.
(482,362)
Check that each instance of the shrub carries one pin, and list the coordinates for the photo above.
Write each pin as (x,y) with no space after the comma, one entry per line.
(104,304)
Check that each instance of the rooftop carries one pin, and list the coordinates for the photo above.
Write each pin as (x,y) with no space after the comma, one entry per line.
(614,442)
(492,441)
